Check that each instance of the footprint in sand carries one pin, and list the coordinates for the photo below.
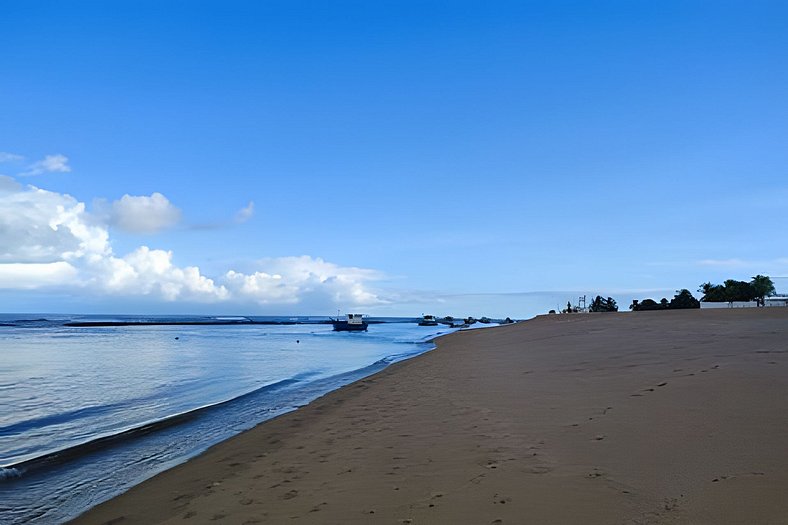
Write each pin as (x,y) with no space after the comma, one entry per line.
(317,508)
(475,480)
(290,494)
(540,469)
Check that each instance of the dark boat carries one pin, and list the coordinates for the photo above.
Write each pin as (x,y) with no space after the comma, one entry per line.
(351,323)
(428,320)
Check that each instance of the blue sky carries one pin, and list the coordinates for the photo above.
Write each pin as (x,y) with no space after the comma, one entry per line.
(389,157)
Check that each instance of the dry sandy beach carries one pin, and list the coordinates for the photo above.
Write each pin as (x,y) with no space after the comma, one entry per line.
(647,417)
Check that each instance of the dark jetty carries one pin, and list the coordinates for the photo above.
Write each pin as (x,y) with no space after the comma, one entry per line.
(174,323)
(212,322)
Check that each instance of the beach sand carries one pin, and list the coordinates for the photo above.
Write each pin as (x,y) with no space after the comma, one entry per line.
(647,417)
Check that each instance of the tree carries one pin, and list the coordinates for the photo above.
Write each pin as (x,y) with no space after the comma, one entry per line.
(712,293)
(683,299)
(645,305)
(762,287)
(738,291)
(603,305)
(759,288)
(611,305)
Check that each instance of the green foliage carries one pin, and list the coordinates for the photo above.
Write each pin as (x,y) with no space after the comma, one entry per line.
(760,287)
(682,300)
(738,291)
(712,293)
(603,305)
(645,304)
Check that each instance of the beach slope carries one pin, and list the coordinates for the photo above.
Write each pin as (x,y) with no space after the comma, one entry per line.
(647,417)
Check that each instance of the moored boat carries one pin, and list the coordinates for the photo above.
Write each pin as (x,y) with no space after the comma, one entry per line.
(351,323)
(428,320)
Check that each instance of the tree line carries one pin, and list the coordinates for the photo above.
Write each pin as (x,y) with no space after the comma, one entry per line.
(681,301)
(758,289)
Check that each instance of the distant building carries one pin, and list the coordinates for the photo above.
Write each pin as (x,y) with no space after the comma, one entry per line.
(734,304)
(777,300)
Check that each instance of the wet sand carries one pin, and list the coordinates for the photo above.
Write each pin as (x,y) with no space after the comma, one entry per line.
(646,417)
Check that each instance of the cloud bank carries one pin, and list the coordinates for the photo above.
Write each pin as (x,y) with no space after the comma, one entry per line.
(49,240)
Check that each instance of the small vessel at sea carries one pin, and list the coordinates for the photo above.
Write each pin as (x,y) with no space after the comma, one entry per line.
(428,320)
(351,323)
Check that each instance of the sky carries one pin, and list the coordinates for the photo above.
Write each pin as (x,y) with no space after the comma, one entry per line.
(394,158)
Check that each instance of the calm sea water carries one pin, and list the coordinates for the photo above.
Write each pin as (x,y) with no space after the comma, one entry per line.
(86,413)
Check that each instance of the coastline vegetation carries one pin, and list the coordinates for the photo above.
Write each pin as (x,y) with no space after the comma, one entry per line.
(758,289)
(681,301)
(599,304)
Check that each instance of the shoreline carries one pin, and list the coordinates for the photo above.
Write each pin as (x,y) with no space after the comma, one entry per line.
(652,417)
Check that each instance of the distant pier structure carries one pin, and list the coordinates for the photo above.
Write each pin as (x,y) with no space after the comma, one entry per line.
(580,307)
(581,304)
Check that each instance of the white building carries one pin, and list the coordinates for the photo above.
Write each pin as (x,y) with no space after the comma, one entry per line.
(734,304)
(777,300)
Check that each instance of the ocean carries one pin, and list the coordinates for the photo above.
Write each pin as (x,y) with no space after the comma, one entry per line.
(86,412)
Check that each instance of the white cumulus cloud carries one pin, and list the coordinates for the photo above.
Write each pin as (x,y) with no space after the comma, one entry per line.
(49,164)
(22,276)
(151,272)
(292,280)
(144,214)
(39,226)
(50,240)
